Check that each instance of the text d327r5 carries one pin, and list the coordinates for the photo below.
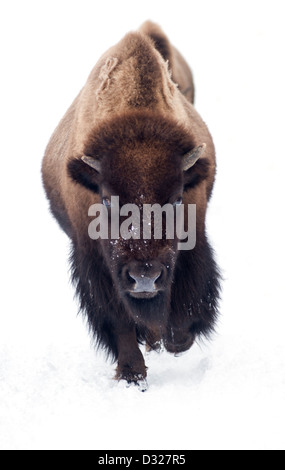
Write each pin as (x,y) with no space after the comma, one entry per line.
(143,459)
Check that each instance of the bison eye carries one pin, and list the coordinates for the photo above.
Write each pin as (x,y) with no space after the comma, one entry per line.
(178,202)
(107,202)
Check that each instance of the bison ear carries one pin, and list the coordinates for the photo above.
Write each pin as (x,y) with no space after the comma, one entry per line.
(191,158)
(81,170)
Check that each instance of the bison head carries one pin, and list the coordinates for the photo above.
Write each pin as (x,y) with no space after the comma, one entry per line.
(143,159)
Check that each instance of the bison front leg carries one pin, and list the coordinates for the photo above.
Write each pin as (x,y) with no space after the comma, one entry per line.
(178,340)
(131,365)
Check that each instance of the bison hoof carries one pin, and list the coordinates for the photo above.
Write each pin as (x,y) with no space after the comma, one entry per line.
(157,347)
(132,378)
(140,383)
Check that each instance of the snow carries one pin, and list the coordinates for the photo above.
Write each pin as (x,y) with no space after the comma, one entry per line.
(56,391)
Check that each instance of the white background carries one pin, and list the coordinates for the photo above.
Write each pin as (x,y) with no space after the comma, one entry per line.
(55,391)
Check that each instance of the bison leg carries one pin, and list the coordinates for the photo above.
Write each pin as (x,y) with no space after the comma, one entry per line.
(154,340)
(131,365)
(178,340)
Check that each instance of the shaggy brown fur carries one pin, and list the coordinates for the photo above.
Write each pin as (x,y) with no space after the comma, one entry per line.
(135,116)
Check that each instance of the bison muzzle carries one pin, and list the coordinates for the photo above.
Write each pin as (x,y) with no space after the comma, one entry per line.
(133,133)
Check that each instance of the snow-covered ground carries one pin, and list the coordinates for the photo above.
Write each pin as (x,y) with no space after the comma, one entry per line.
(56,392)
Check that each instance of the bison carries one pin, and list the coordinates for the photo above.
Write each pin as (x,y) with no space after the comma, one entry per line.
(132,132)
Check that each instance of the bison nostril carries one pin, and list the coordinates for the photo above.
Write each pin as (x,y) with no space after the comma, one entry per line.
(153,276)
(131,279)
(159,277)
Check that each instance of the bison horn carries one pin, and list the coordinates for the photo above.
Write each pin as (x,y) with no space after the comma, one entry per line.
(96,164)
(191,158)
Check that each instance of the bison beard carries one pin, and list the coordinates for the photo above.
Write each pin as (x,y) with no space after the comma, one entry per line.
(133,132)
(190,312)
